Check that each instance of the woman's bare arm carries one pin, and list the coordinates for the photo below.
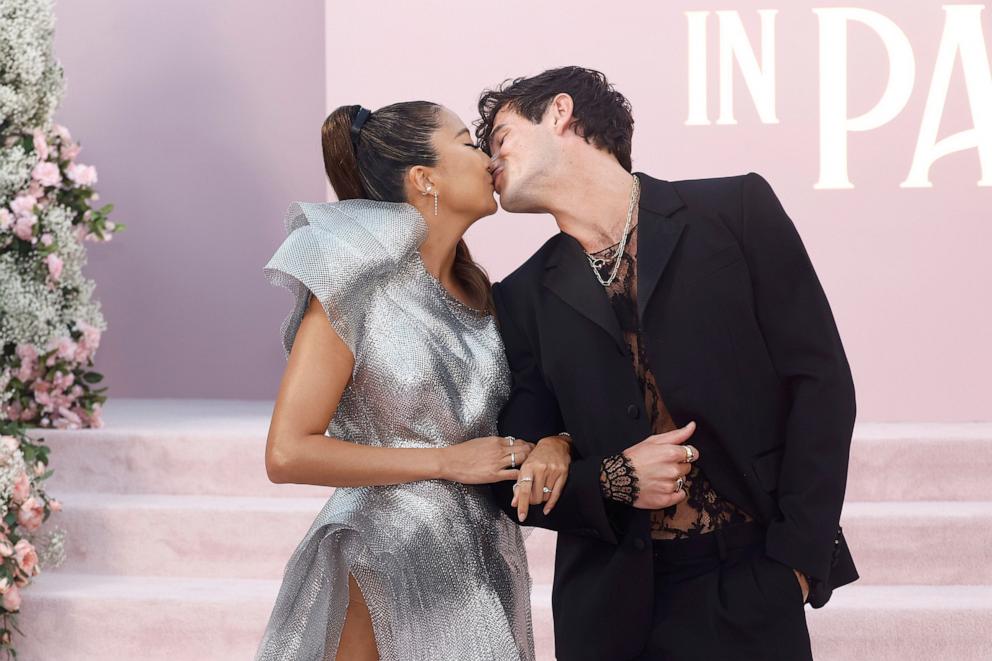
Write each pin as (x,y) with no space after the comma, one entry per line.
(297,451)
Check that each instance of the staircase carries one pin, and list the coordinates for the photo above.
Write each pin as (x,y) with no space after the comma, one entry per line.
(177,541)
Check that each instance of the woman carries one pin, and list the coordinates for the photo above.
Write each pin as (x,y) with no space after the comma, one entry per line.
(409,559)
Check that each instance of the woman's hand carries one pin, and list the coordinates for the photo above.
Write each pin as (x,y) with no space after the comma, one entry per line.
(484,460)
(803,584)
(547,466)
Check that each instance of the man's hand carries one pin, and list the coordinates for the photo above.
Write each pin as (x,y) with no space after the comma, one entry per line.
(659,461)
(546,466)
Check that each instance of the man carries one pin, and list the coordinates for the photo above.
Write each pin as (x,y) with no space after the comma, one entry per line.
(676,334)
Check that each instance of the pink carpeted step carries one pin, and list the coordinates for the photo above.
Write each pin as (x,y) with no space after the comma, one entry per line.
(216,447)
(920,461)
(89,617)
(209,447)
(227,536)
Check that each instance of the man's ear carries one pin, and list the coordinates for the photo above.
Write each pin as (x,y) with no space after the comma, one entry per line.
(561,108)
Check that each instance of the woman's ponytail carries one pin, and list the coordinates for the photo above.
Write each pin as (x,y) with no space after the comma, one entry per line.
(340,161)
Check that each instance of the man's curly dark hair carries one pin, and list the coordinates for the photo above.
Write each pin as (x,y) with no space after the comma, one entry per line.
(601,114)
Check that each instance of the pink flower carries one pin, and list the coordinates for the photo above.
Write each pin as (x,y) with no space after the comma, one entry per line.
(70,151)
(22,488)
(71,417)
(43,397)
(47,174)
(6,550)
(63,380)
(31,513)
(26,352)
(5,582)
(84,175)
(54,263)
(55,505)
(6,219)
(91,335)
(62,132)
(47,239)
(39,469)
(65,347)
(36,190)
(12,599)
(40,145)
(24,227)
(23,204)
(9,443)
(96,419)
(30,412)
(27,371)
(27,557)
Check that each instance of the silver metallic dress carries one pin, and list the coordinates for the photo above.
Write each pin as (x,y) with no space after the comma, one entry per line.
(442,569)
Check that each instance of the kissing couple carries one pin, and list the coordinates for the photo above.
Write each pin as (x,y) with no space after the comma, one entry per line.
(662,383)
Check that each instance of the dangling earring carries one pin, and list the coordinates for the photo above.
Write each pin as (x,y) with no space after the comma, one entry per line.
(429,187)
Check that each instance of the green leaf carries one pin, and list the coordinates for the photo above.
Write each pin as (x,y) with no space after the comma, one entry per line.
(92,377)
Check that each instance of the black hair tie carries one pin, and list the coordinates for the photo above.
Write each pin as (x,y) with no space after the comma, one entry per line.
(356,126)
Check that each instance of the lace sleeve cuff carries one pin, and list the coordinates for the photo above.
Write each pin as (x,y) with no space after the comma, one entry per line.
(618,480)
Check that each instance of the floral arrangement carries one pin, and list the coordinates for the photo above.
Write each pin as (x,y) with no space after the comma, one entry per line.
(50,326)
(24,506)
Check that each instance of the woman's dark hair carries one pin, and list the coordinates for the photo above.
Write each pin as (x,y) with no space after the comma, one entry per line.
(393,139)
(600,114)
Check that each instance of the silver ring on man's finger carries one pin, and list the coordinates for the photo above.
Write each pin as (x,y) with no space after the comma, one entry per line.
(513,460)
(510,440)
(679,483)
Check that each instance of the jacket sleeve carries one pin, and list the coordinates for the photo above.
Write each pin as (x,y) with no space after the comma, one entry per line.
(806,350)
(532,413)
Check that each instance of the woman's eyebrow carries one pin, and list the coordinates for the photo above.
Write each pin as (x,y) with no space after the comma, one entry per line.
(460,132)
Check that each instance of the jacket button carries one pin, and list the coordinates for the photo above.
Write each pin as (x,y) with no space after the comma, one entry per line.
(639,544)
(633,411)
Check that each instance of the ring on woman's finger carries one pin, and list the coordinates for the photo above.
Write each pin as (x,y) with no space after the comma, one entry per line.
(689,453)
(510,440)
(546,490)
(679,483)
(513,460)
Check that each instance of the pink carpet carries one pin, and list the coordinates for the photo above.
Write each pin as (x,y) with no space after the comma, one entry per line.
(177,541)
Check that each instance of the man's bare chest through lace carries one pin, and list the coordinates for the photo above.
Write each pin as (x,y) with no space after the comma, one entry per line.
(703,510)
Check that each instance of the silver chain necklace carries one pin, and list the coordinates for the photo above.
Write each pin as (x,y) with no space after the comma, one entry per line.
(595,262)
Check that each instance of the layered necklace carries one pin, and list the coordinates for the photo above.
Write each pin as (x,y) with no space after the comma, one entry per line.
(597,262)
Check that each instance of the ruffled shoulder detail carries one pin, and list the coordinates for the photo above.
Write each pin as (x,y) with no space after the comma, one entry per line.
(342,253)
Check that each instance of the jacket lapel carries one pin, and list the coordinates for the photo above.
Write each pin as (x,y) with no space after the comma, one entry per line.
(570,277)
(658,234)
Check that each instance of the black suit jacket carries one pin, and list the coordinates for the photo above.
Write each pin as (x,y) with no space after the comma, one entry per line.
(740,338)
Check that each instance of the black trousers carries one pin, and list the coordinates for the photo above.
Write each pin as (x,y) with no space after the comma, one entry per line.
(719,597)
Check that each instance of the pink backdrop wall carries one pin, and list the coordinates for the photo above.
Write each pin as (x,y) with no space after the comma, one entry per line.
(203,120)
